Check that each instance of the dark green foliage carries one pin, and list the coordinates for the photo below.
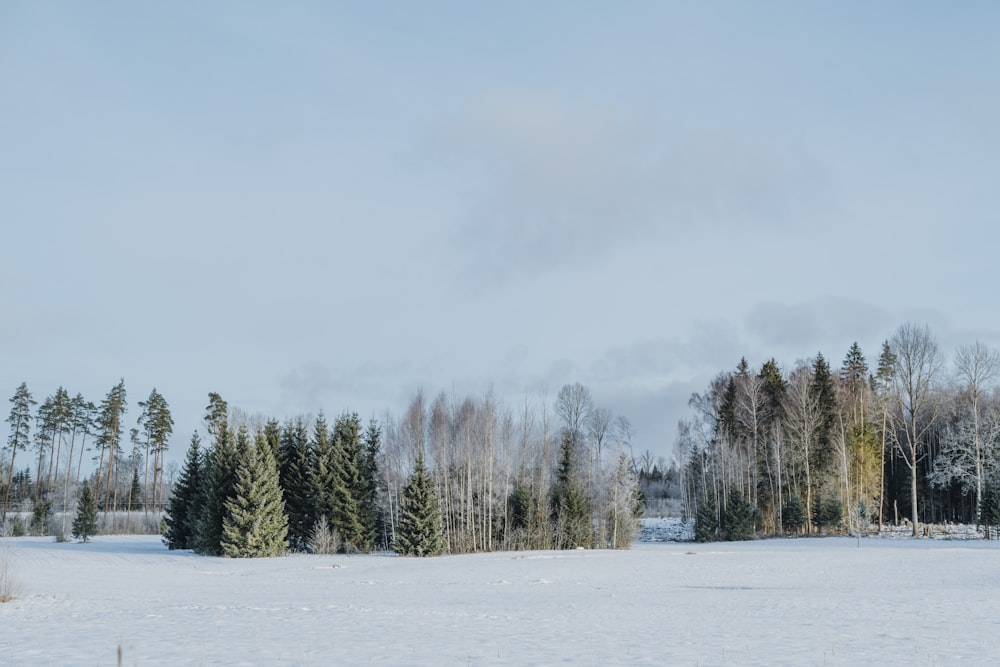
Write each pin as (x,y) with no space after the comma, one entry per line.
(368,493)
(20,429)
(219,483)
(793,515)
(323,475)
(272,434)
(822,390)
(348,457)
(182,513)
(827,511)
(135,502)
(989,507)
(737,517)
(570,507)
(255,525)
(40,516)
(706,521)
(295,477)
(419,532)
(85,523)
(774,387)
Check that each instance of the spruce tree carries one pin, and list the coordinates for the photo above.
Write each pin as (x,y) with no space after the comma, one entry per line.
(419,532)
(570,508)
(85,523)
(219,482)
(323,476)
(347,518)
(255,525)
(294,473)
(706,520)
(737,517)
(371,515)
(793,514)
(180,519)
(989,508)
(135,501)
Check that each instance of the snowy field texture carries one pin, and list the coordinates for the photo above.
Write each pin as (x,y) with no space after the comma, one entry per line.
(768,602)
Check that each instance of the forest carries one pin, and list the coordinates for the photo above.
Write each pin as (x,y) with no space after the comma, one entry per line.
(444,477)
(813,449)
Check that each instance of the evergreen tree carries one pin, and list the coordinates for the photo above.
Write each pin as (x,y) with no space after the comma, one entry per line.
(793,514)
(348,455)
(255,525)
(109,434)
(323,477)
(294,473)
(738,517)
(157,425)
(570,508)
(827,512)
(706,520)
(822,390)
(180,519)
(20,429)
(219,483)
(135,501)
(989,507)
(419,532)
(370,482)
(85,523)
(272,434)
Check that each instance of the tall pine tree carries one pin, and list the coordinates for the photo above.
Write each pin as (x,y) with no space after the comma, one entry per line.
(181,515)
(255,525)
(419,532)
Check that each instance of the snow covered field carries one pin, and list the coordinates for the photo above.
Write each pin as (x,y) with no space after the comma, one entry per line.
(769,602)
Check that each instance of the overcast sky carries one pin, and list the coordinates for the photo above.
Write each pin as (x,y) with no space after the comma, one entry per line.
(328,205)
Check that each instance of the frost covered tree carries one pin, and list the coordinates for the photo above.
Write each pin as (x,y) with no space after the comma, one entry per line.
(255,525)
(624,503)
(916,410)
(419,531)
(85,523)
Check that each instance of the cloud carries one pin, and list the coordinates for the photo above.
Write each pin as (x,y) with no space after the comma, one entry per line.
(808,327)
(547,184)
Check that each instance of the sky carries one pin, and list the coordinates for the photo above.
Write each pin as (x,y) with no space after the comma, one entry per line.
(310,206)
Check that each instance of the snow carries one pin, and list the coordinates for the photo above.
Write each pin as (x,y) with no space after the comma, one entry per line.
(767,602)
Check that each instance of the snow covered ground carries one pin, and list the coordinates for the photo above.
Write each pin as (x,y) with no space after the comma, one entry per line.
(768,602)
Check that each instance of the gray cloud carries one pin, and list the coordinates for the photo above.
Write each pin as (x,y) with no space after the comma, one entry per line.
(549,184)
(828,321)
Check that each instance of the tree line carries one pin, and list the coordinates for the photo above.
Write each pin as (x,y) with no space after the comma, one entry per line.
(448,477)
(815,448)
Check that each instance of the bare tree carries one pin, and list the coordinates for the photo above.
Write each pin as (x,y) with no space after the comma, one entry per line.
(917,365)
(977,366)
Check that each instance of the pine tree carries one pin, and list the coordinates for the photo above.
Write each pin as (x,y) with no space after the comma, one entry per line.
(347,518)
(157,425)
(419,532)
(570,509)
(706,520)
(85,523)
(219,481)
(989,507)
(109,427)
(737,517)
(793,515)
(371,516)
(323,476)
(255,525)
(20,428)
(181,513)
(135,501)
(294,473)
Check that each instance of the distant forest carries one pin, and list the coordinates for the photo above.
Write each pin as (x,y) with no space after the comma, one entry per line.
(444,477)
(905,438)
